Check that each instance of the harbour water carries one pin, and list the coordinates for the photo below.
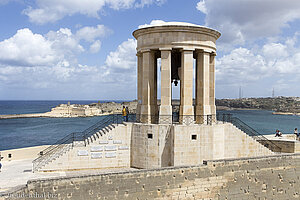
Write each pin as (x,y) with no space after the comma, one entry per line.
(26,132)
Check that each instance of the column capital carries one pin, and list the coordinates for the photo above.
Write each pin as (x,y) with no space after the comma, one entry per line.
(138,53)
(203,51)
(213,53)
(165,49)
(187,49)
(145,50)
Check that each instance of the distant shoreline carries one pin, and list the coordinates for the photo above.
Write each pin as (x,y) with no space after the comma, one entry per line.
(285,113)
(78,110)
(43,115)
(111,107)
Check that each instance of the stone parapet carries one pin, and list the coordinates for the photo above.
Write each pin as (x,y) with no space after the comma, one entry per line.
(270,177)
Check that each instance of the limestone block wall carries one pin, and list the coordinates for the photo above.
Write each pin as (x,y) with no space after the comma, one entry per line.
(147,146)
(60,110)
(287,146)
(271,177)
(238,144)
(193,144)
(151,146)
(92,111)
(78,111)
(111,150)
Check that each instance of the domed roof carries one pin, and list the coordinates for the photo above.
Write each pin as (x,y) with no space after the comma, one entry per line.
(162,23)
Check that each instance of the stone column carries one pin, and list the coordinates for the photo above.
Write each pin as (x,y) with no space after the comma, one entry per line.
(165,111)
(186,110)
(212,86)
(147,86)
(202,86)
(139,84)
(154,107)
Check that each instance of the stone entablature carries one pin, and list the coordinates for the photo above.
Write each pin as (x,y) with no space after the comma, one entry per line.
(185,36)
(177,44)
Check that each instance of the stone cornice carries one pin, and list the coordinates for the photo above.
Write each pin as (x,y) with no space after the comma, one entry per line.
(177,28)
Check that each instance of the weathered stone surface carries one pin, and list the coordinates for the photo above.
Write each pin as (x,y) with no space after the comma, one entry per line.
(176,43)
(270,177)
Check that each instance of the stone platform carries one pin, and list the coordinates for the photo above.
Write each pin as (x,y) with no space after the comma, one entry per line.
(288,142)
(147,146)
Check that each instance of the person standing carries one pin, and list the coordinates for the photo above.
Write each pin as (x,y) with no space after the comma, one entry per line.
(0,162)
(124,113)
(296,132)
(127,113)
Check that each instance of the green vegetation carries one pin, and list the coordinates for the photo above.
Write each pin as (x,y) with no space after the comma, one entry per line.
(277,104)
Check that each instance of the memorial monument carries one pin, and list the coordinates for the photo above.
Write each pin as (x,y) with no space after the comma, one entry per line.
(158,137)
(213,158)
(177,44)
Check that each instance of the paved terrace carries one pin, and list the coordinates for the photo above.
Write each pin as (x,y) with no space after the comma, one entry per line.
(16,173)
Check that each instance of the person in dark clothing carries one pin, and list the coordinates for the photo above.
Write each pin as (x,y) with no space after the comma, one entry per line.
(278,133)
(0,162)
(127,113)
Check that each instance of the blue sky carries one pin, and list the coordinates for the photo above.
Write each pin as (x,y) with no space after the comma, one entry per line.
(84,50)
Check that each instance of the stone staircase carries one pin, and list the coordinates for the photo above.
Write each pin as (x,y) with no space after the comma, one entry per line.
(91,140)
(72,140)
(246,129)
(255,148)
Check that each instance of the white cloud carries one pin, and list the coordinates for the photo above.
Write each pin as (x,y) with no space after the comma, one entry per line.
(120,4)
(95,47)
(241,21)
(124,57)
(90,33)
(275,50)
(273,60)
(267,58)
(153,22)
(42,77)
(143,3)
(53,10)
(64,42)
(240,66)
(201,6)
(27,49)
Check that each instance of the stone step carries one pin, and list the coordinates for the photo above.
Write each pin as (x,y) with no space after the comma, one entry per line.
(106,129)
(251,139)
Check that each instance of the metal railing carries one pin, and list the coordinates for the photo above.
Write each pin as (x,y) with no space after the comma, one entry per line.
(86,137)
(249,131)
(175,118)
(68,142)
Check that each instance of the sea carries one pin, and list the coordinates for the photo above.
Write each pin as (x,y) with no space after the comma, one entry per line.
(27,132)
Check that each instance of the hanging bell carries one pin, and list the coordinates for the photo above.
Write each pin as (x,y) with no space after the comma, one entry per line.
(175,82)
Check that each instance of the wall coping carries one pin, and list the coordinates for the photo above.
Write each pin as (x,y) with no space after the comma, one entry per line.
(205,163)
